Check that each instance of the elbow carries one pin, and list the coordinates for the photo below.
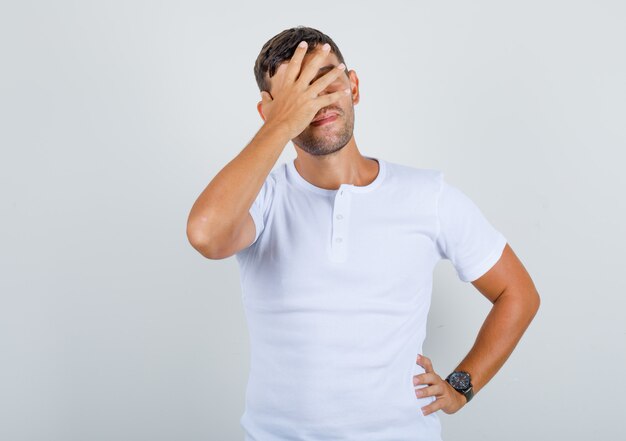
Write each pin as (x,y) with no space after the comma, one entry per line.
(524,302)
(200,244)
(207,249)
(211,243)
(200,239)
(531,303)
(535,302)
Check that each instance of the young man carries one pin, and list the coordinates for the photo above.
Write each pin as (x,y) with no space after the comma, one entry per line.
(336,252)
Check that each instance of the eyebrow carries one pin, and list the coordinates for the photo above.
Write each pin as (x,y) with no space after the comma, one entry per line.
(323,70)
(326,68)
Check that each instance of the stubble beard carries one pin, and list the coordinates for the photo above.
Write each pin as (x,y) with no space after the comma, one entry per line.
(327,139)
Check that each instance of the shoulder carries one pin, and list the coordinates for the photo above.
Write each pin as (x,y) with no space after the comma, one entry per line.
(425,179)
(279,174)
(275,179)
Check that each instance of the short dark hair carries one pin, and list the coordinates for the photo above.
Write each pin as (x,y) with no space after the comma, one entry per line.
(281,48)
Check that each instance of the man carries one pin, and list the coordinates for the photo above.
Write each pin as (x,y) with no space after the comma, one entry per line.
(337,251)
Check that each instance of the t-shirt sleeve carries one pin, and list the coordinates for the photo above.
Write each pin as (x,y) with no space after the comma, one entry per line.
(260,206)
(465,236)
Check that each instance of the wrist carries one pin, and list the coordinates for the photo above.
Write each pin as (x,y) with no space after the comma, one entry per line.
(461,382)
(278,129)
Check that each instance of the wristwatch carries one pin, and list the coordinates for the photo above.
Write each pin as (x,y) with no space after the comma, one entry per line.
(462,383)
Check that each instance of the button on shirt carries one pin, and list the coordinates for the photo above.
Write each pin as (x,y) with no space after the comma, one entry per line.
(336,289)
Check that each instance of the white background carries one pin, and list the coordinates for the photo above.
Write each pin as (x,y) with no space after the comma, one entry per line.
(115,115)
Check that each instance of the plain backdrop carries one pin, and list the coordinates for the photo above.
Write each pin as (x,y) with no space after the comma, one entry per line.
(115,115)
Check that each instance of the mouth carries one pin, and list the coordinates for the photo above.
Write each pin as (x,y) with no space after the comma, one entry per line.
(326,119)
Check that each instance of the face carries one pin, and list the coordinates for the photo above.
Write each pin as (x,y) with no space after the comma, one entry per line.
(332,136)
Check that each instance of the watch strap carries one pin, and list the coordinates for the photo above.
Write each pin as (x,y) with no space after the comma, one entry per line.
(469,393)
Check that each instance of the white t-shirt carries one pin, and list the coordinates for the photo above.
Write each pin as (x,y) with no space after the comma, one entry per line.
(336,290)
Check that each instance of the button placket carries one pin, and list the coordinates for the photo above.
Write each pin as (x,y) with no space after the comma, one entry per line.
(341,212)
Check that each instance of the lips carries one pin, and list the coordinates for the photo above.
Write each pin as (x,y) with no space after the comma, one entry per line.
(328,120)
(324,116)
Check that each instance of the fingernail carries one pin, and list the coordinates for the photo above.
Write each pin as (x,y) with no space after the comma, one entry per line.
(302,44)
(326,47)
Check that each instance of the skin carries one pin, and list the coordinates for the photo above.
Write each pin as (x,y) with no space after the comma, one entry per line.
(327,156)
(219,223)
(515,301)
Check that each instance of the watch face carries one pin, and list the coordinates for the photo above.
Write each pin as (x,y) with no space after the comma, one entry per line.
(460,380)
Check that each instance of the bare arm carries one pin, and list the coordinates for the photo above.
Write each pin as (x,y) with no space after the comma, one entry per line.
(515,302)
(219,223)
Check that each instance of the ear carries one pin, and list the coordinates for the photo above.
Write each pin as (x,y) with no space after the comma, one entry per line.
(354,86)
(259,108)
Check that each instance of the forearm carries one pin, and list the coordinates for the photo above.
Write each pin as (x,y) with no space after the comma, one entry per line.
(228,197)
(502,329)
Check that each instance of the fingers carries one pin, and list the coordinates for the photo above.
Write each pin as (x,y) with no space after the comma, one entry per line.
(295,63)
(427,378)
(430,391)
(330,76)
(437,390)
(313,66)
(425,363)
(432,407)
(447,398)
(325,100)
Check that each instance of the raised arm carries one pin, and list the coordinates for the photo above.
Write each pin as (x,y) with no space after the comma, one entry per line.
(219,223)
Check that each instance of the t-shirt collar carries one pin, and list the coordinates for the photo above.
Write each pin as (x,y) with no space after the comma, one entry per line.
(296,178)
